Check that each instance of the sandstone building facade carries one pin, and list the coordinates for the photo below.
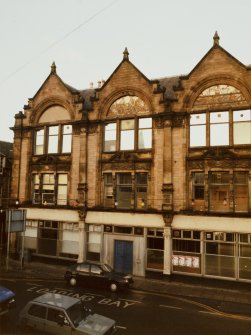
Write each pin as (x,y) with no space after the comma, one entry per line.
(145,175)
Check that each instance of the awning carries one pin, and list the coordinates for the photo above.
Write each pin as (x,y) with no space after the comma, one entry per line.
(212,223)
(125,219)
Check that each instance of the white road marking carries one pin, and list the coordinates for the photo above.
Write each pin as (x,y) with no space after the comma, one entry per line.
(167,306)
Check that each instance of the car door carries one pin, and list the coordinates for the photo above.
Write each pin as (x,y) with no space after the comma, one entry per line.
(97,276)
(36,316)
(83,273)
(57,322)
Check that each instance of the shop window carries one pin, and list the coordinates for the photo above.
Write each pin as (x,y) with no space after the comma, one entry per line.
(220,254)
(94,234)
(155,249)
(123,230)
(186,251)
(53,139)
(245,256)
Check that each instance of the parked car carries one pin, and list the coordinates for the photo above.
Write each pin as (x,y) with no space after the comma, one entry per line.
(60,314)
(99,275)
(7,300)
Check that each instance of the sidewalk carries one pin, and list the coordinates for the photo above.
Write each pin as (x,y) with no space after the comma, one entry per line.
(178,285)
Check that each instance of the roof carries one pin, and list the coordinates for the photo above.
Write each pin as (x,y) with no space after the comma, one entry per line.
(57,300)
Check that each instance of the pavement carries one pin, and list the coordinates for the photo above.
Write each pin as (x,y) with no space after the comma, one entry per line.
(175,285)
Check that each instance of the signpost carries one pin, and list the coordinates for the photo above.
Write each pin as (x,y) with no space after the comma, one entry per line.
(15,223)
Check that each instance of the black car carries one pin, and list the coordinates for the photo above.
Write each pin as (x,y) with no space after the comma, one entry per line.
(96,274)
(7,300)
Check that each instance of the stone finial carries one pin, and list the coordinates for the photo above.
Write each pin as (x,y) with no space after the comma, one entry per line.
(216,38)
(53,68)
(126,54)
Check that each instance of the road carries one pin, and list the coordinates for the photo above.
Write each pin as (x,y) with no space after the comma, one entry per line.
(138,312)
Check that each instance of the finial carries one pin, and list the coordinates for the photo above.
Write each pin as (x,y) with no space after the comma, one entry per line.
(53,68)
(216,38)
(126,54)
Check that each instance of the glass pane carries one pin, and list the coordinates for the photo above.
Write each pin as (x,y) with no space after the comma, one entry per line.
(127,140)
(219,134)
(108,178)
(197,119)
(66,146)
(242,115)
(197,136)
(155,259)
(220,266)
(62,178)
(127,124)
(36,179)
(241,198)
(53,130)
(48,178)
(141,178)
(245,268)
(241,178)
(62,194)
(124,178)
(53,144)
(39,147)
(145,138)
(67,129)
(242,133)
(219,117)
(145,123)
(110,137)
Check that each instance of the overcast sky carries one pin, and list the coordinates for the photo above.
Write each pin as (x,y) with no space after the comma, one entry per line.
(86,39)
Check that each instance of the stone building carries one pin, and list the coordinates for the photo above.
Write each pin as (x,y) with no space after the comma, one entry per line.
(145,175)
(5,179)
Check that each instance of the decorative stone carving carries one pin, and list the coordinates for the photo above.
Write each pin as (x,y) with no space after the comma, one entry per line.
(178,121)
(128,105)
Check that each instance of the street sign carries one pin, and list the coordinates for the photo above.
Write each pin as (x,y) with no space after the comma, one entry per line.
(15,220)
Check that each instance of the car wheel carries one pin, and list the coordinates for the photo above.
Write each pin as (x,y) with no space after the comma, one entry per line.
(73,281)
(114,287)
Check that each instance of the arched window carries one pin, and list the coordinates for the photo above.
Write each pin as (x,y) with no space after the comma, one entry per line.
(56,137)
(226,121)
(133,132)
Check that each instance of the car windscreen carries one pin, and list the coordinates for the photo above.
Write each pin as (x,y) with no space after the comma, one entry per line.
(77,313)
(106,268)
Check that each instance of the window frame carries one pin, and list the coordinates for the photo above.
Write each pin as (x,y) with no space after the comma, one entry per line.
(47,137)
(209,124)
(119,131)
(39,186)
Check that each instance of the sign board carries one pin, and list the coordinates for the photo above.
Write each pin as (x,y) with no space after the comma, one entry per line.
(15,220)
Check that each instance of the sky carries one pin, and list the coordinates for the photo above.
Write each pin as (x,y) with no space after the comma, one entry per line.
(86,39)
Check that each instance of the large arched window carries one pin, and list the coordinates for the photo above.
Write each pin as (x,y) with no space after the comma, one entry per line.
(53,135)
(133,132)
(226,121)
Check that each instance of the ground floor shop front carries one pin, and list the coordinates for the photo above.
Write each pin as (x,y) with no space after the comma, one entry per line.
(218,247)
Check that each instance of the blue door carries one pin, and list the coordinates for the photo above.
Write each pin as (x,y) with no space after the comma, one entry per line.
(123,256)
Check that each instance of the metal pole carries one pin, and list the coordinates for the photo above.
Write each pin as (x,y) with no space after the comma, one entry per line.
(24,226)
(8,243)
